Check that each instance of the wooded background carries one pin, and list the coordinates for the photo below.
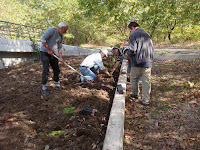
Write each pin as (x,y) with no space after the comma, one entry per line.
(104,22)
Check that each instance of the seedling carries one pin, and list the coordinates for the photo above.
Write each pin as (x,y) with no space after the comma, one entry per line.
(59,133)
(69,110)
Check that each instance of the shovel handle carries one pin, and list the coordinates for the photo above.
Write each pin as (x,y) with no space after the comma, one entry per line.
(73,69)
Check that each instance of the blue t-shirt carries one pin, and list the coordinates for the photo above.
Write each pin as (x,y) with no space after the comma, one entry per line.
(53,38)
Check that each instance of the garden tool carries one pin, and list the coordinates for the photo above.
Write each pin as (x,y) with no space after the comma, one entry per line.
(88,81)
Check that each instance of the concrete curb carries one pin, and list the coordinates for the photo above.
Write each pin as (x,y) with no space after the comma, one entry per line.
(115,129)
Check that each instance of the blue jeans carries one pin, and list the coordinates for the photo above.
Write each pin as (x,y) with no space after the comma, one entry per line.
(88,73)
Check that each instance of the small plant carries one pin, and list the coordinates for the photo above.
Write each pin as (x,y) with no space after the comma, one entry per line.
(69,110)
(117,45)
(46,147)
(113,60)
(111,63)
(58,133)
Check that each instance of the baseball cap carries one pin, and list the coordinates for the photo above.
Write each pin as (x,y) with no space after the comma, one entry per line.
(105,51)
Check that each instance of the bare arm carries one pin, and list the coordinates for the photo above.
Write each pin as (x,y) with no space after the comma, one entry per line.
(106,72)
(60,53)
(115,67)
(60,56)
(50,52)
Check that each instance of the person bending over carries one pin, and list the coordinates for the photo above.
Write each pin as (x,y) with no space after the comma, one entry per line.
(91,65)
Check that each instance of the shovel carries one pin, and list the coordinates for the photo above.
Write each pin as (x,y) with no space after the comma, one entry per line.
(88,81)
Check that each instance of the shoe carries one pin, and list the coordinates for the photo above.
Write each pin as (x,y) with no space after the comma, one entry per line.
(57,85)
(143,103)
(133,96)
(45,91)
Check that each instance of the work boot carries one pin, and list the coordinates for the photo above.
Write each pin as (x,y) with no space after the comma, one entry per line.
(44,89)
(141,102)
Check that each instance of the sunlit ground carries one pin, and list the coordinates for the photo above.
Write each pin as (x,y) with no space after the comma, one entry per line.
(172,121)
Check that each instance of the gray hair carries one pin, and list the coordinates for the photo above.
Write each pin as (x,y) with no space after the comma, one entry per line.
(63,24)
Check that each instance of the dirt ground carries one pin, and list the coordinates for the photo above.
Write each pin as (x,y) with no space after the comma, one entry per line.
(28,122)
(172,121)
(182,45)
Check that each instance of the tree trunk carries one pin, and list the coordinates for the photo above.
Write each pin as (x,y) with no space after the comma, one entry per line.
(169,36)
(171,27)
(152,32)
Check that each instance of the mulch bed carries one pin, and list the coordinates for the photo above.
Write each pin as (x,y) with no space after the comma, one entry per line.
(29,122)
(172,121)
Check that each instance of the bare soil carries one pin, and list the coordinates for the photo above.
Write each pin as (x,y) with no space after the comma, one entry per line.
(28,122)
(183,45)
(172,121)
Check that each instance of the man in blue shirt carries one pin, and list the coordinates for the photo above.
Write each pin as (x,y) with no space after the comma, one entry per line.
(141,54)
(52,44)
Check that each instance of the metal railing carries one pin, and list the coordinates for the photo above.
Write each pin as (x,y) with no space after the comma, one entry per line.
(11,30)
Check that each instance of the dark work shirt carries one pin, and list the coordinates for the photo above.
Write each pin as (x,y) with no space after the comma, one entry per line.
(122,53)
(141,48)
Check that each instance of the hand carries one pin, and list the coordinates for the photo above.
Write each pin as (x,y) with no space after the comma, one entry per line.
(106,72)
(50,52)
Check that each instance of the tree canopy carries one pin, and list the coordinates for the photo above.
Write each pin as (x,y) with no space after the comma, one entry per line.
(105,21)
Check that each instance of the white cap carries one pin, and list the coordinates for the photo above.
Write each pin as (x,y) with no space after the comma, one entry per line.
(105,51)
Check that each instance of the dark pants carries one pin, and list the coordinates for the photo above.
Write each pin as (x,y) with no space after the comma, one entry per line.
(53,62)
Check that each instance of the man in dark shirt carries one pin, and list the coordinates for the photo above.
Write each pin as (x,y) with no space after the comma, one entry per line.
(141,54)
(121,53)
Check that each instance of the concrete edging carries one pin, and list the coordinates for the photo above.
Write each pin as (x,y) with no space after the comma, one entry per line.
(115,129)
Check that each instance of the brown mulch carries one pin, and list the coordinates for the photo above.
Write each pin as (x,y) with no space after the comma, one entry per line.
(172,121)
(29,122)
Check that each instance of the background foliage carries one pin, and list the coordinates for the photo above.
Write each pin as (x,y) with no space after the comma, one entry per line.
(104,22)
